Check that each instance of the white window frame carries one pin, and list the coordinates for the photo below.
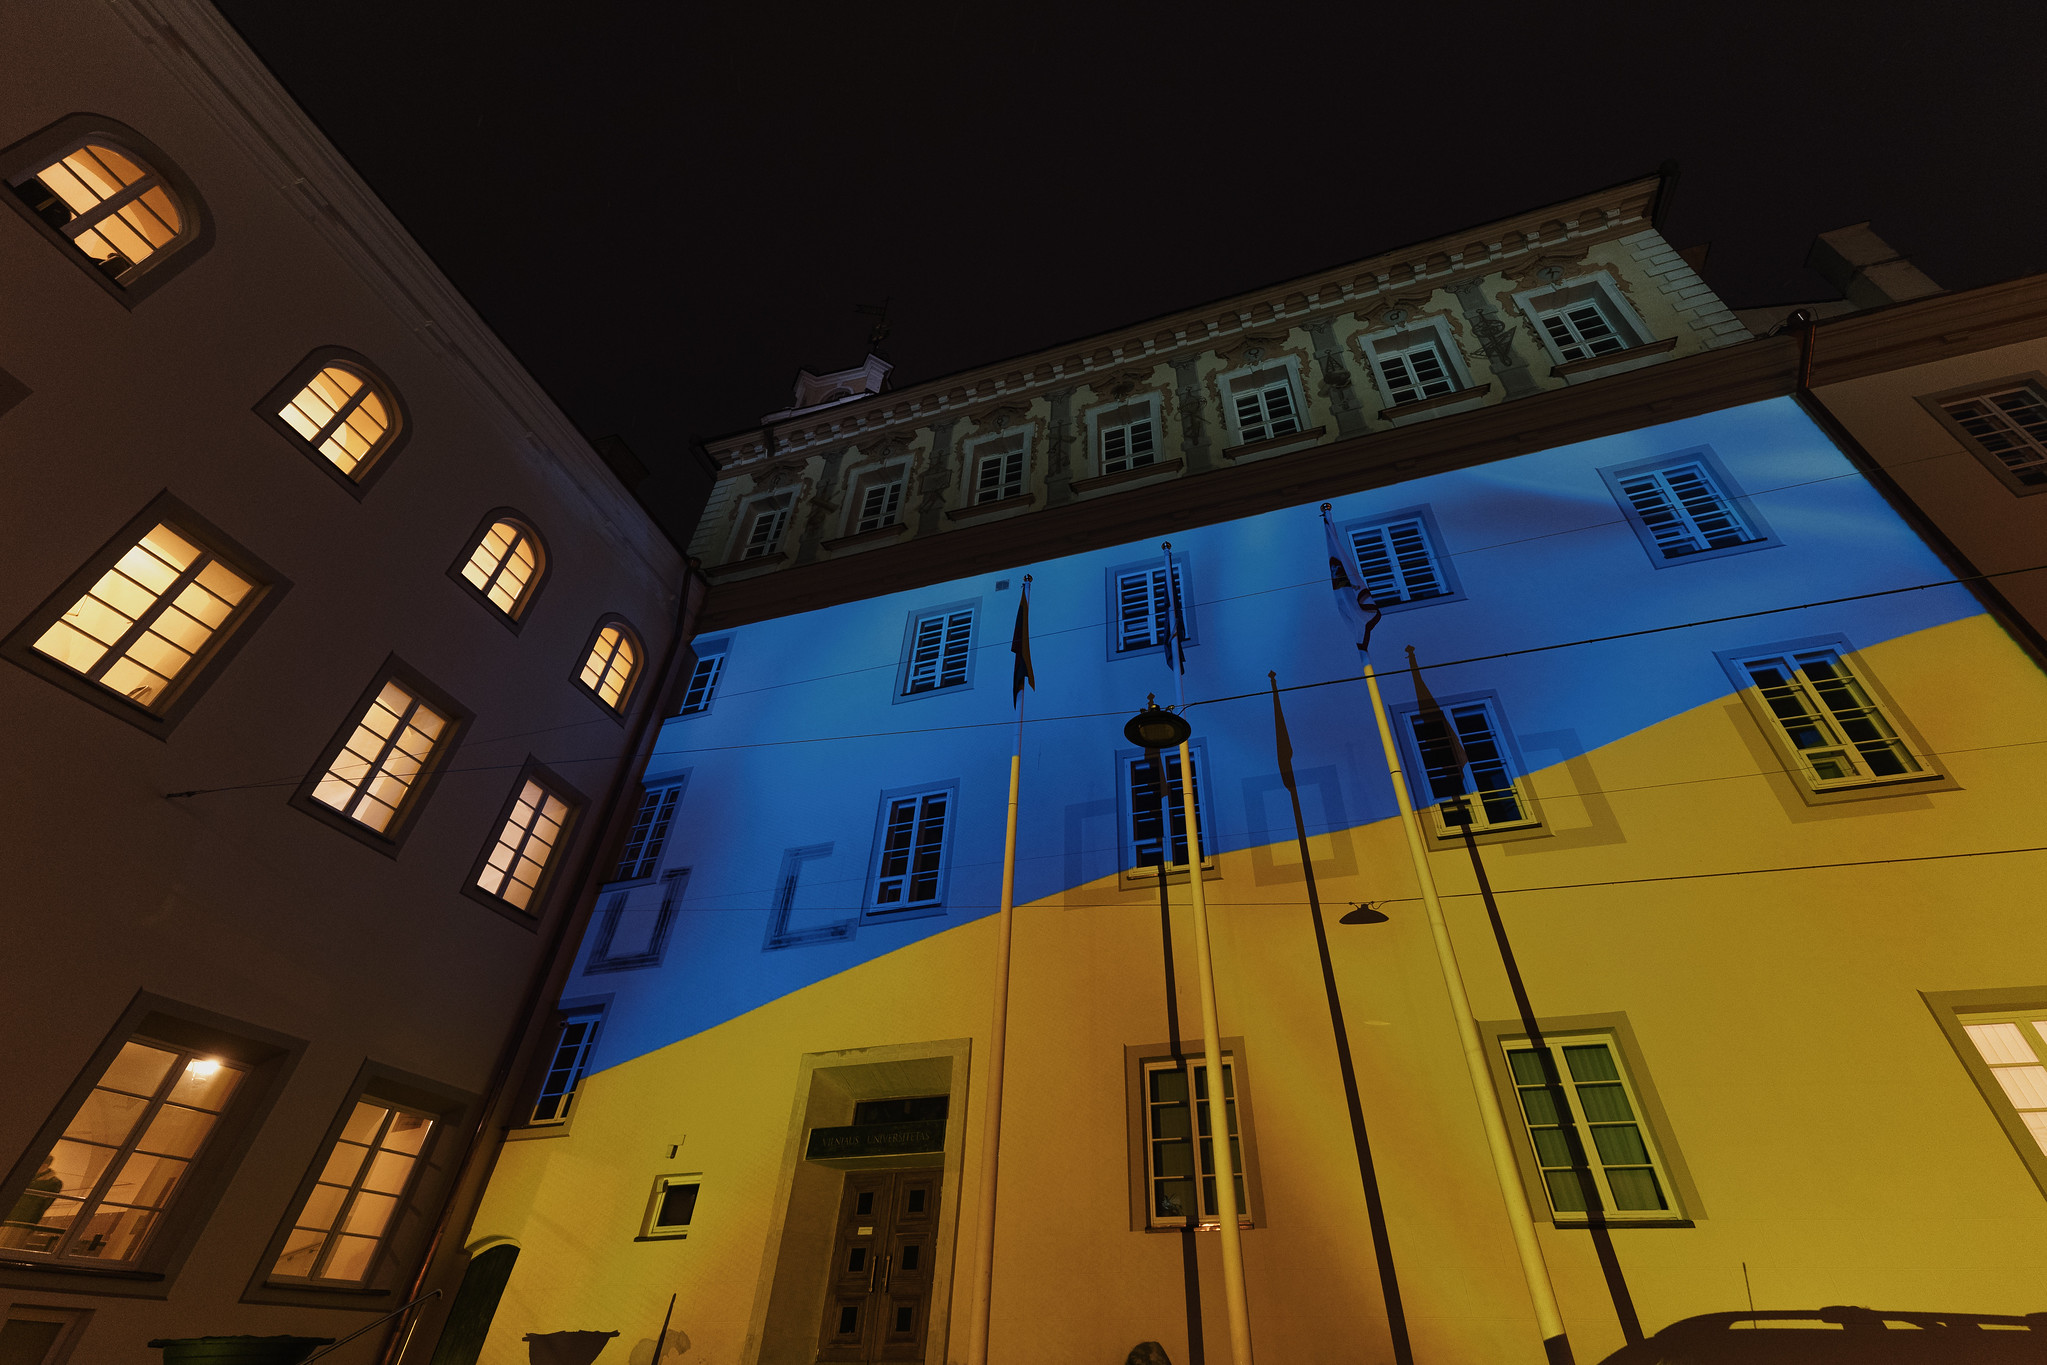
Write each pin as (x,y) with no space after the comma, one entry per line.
(1259,379)
(70,1325)
(1173,814)
(1007,454)
(892,863)
(701,691)
(939,647)
(1396,552)
(1486,819)
(357,1185)
(769,514)
(599,671)
(1563,1161)
(1679,504)
(612,906)
(876,499)
(1123,418)
(1242,1148)
(651,1228)
(1806,693)
(378,759)
(565,1064)
(1407,339)
(1148,576)
(517,867)
(1599,289)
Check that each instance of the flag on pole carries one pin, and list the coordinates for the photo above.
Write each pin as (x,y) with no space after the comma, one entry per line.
(1353,603)
(1176,619)
(1020,645)
(1448,752)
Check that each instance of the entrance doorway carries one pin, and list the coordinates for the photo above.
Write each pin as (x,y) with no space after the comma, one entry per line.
(879,1304)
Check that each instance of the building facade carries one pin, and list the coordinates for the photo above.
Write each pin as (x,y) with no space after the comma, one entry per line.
(328,646)
(1757,825)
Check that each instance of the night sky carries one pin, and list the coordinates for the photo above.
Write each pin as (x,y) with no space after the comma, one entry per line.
(666,209)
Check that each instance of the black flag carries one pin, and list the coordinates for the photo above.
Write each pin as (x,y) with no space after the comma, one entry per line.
(1020,645)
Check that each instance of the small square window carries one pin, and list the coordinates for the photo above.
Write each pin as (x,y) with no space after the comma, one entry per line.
(672,1206)
(1685,508)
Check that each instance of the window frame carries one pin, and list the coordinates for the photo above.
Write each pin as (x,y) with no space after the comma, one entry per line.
(1112,586)
(1249,378)
(269,587)
(1727,487)
(1120,414)
(381,457)
(1010,443)
(630,694)
(1129,872)
(540,1066)
(1687,1208)
(906,659)
(1953,1012)
(406,818)
(1637,338)
(1531,826)
(39,149)
(431,1184)
(1432,537)
(1403,339)
(779,502)
(863,484)
(653,791)
(515,619)
(701,652)
(1138,1061)
(650,1230)
(270,1057)
(553,784)
(1936,405)
(1931,776)
(871,911)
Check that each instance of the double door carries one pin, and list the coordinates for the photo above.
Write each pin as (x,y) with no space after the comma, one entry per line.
(879,1302)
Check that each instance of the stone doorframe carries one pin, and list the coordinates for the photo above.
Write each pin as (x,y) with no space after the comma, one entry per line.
(795,1268)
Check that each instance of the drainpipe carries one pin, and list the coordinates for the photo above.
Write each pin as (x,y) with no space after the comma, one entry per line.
(479,1160)
(2023,633)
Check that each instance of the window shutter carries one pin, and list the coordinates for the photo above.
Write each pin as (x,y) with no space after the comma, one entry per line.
(1397,562)
(1685,510)
(1142,606)
(940,650)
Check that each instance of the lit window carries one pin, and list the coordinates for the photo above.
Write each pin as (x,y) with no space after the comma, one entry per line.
(1266,409)
(1128,444)
(941,647)
(1154,814)
(566,1062)
(526,843)
(1484,796)
(504,568)
(1827,719)
(102,1189)
(340,414)
(2014,1047)
(2009,426)
(141,625)
(379,764)
(1683,509)
(764,532)
(1143,609)
(1411,372)
(610,666)
(879,503)
(910,872)
(703,680)
(112,207)
(1580,331)
(1398,561)
(347,1217)
(650,831)
(1619,1175)
(1178,1136)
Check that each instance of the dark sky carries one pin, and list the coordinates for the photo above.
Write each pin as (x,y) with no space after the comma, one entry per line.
(665,209)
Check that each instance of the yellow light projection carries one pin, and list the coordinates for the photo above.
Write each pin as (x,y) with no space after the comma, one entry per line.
(369,778)
(340,416)
(524,845)
(609,669)
(146,618)
(121,214)
(502,565)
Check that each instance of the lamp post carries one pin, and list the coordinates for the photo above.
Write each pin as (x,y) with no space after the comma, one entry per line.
(1152,729)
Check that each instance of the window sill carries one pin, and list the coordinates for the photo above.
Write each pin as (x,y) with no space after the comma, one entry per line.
(995,508)
(1243,1225)
(1611,1224)
(1400,411)
(1144,879)
(662,1237)
(1123,476)
(89,1271)
(533,1132)
(737,566)
(1272,445)
(1919,784)
(1598,366)
(1446,840)
(877,536)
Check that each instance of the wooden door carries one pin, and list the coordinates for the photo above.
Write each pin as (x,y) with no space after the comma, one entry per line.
(878,1304)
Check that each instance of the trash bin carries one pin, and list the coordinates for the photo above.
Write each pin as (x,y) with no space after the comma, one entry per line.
(566,1348)
(238,1350)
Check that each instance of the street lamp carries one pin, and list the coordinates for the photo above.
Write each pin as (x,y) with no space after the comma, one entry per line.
(1156,728)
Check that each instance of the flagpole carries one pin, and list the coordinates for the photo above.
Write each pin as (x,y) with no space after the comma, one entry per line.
(1234,1297)
(1548,1319)
(998,1038)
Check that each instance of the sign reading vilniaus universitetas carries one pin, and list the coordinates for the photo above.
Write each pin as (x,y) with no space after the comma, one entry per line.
(876,1139)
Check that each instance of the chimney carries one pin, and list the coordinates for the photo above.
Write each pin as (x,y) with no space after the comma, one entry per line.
(1867,270)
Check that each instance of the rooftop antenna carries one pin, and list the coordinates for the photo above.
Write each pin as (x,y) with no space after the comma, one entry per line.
(879,333)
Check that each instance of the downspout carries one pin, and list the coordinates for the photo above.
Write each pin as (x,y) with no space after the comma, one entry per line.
(1994,602)
(475,1168)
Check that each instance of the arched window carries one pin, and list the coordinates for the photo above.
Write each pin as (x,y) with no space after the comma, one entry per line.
(612,664)
(340,411)
(116,203)
(505,565)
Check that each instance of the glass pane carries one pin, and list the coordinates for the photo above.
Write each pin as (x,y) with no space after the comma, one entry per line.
(1592,1062)
(106,1117)
(408,1133)
(1543,1105)
(1174,1199)
(388,1173)
(1635,1190)
(37,1222)
(321,1207)
(72,1168)
(176,1131)
(1605,1103)
(1172,1158)
(1171,1121)
(112,1234)
(146,1181)
(350,1259)
(1169,1086)
(138,1069)
(1566,1191)
(1552,1147)
(1620,1144)
(2026,1085)
(299,1250)
(205,1084)
(343,1163)
(1527,1067)
(370,1214)
(362,1123)
(2000,1043)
